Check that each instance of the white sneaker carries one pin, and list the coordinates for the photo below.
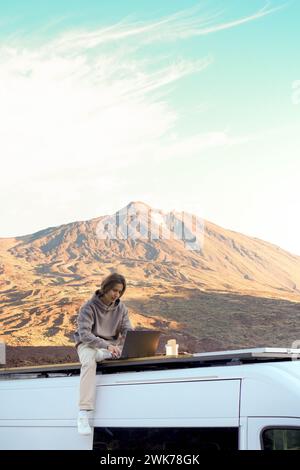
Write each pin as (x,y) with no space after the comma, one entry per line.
(83,424)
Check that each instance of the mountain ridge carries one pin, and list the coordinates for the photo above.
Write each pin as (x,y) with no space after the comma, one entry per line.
(45,276)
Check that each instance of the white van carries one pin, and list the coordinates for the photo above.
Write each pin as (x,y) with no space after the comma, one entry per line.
(244,399)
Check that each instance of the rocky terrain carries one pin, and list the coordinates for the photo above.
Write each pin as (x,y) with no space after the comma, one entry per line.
(209,287)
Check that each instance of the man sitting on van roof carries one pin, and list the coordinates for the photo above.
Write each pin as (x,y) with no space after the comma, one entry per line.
(101,320)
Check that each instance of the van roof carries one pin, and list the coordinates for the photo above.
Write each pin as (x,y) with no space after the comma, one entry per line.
(207,359)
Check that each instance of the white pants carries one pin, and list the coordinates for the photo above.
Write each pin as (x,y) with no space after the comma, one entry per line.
(87,389)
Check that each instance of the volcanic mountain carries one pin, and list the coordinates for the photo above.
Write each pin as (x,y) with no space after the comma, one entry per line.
(207,286)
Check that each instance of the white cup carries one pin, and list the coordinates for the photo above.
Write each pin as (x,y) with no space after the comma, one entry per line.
(171,350)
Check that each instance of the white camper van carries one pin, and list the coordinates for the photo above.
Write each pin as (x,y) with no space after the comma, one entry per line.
(244,399)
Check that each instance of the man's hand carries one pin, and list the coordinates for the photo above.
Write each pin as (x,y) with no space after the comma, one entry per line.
(115,351)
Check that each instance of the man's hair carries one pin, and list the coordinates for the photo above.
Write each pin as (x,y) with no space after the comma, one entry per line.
(110,281)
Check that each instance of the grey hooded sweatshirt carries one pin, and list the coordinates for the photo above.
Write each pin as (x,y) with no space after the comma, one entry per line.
(100,325)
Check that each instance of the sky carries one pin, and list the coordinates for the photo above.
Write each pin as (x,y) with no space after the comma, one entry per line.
(189,106)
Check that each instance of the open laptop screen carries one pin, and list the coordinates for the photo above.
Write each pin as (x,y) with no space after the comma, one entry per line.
(140,343)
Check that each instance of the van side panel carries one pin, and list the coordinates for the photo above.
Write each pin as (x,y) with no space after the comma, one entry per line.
(51,398)
(40,414)
(271,394)
(198,403)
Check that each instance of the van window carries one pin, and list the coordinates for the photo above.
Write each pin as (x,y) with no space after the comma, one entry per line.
(165,439)
(281,439)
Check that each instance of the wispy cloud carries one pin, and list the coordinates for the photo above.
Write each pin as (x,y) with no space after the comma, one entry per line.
(59,100)
(88,99)
(187,23)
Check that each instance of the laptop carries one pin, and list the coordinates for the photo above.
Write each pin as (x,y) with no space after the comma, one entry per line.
(140,343)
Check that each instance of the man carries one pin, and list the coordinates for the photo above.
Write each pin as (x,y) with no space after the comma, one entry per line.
(101,321)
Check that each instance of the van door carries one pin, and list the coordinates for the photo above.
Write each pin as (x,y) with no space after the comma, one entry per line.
(273,433)
(166,414)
